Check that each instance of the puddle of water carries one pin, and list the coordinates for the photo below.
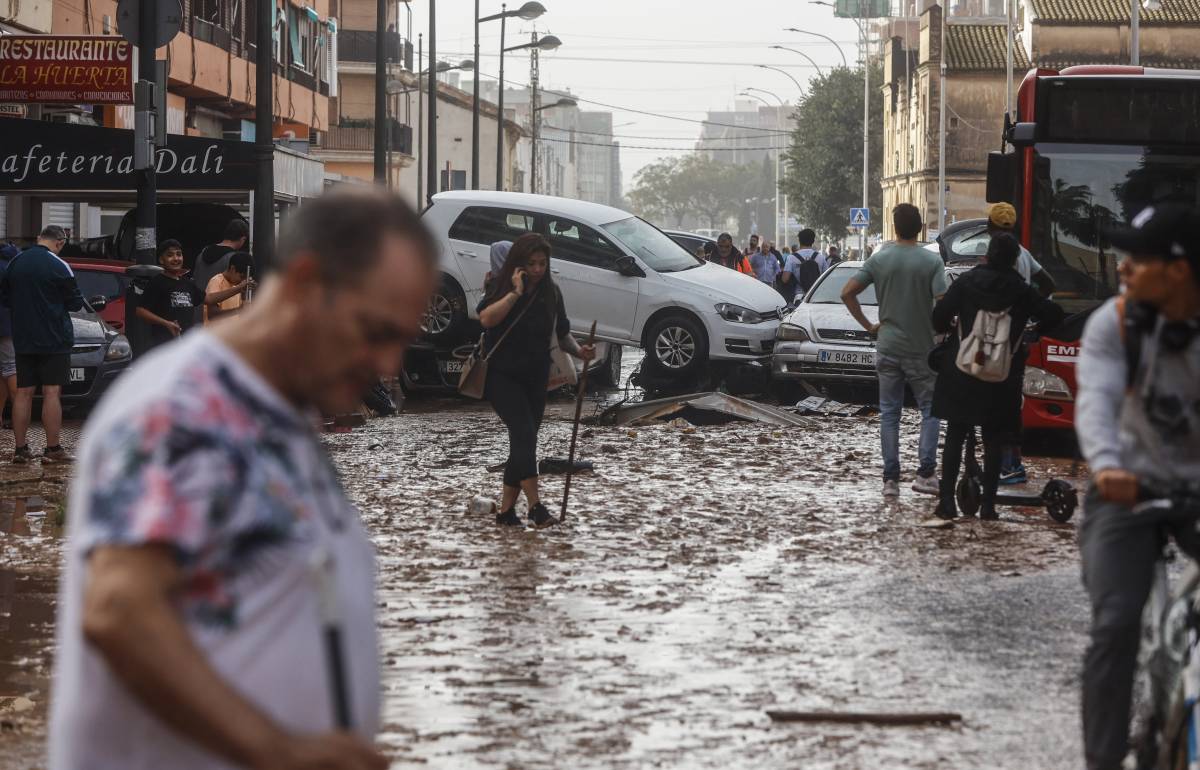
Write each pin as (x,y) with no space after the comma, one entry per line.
(27,605)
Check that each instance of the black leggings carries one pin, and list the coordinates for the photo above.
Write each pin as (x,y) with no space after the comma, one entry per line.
(952,454)
(520,401)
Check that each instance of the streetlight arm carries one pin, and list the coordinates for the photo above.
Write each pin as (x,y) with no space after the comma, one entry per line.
(845,62)
(765,91)
(806,56)
(785,73)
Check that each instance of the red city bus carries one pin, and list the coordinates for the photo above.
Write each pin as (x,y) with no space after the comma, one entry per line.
(1091,147)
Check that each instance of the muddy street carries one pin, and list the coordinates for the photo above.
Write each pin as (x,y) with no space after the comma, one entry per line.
(705,575)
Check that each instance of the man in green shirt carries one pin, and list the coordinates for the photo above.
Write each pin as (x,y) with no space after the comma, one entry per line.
(908,281)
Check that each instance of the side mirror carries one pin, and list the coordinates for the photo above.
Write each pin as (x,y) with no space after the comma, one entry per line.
(98,302)
(628,267)
(1023,135)
(1001,177)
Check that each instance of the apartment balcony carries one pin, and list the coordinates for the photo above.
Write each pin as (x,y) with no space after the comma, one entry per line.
(359,46)
(360,138)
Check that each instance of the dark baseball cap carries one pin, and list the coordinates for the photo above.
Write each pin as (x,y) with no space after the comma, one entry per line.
(1167,230)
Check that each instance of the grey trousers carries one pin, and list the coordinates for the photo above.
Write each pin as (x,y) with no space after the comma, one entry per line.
(1119,550)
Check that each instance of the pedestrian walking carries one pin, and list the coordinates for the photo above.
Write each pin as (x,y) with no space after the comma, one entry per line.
(1002,219)
(171,300)
(8,354)
(908,281)
(214,259)
(834,256)
(206,518)
(496,256)
(40,291)
(232,285)
(765,265)
(993,295)
(805,267)
(522,314)
(1138,424)
(730,257)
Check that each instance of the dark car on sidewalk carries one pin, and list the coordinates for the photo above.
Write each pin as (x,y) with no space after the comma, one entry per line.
(99,356)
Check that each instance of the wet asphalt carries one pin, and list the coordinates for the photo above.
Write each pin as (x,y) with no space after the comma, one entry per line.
(703,577)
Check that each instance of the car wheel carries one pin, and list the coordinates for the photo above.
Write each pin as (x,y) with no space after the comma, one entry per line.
(609,374)
(447,313)
(676,346)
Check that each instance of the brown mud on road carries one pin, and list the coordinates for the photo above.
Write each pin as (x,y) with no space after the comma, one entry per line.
(702,578)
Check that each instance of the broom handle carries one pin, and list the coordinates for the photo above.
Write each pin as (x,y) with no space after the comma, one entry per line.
(582,388)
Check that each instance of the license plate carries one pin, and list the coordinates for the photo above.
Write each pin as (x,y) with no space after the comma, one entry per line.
(77,374)
(851,357)
(452,367)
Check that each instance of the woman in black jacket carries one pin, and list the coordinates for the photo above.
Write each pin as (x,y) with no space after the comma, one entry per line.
(964,401)
(520,311)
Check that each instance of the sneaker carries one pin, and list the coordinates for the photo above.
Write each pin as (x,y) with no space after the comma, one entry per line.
(540,517)
(509,518)
(891,488)
(55,455)
(1010,476)
(926,485)
(22,455)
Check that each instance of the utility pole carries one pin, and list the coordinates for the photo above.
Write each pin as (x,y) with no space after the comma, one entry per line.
(1009,60)
(264,146)
(941,196)
(866,171)
(381,126)
(1135,32)
(145,235)
(475,109)
(535,113)
(420,123)
(431,168)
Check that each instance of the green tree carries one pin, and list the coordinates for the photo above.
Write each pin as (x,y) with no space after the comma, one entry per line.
(711,196)
(660,192)
(824,160)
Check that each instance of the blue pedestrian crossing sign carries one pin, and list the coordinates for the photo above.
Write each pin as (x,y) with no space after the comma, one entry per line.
(860,217)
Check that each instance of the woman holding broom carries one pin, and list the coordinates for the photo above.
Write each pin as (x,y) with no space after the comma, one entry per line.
(521,312)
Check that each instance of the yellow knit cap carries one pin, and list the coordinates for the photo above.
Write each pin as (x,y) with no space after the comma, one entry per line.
(1002,215)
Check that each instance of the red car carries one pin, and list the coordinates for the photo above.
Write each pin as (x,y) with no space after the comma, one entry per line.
(103,278)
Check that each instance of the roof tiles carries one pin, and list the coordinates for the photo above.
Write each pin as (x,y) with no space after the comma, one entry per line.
(1114,12)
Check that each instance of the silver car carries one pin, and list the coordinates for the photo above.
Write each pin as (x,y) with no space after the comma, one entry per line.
(820,342)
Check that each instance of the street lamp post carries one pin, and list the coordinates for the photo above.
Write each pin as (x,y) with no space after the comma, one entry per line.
(432,72)
(529,11)
(431,173)
(777,125)
(811,60)
(845,62)
(536,115)
(547,43)
(1135,27)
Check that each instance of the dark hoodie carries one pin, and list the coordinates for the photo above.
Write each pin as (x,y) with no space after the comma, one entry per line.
(959,397)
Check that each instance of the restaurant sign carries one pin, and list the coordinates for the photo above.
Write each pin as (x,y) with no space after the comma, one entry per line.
(38,155)
(66,69)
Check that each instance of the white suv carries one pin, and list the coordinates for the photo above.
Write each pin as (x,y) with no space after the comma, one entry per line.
(612,267)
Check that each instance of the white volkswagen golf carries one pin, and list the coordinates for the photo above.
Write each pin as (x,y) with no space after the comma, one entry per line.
(639,286)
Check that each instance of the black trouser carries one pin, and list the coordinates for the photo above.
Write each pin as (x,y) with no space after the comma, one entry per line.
(520,401)
(1118,550)
(952,454)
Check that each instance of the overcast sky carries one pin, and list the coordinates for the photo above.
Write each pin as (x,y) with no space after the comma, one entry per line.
(691,56)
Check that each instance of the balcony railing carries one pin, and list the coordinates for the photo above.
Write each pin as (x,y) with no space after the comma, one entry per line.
(362,138)
(359,46)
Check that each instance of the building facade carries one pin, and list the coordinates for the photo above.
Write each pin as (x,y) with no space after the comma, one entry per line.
(1048,33)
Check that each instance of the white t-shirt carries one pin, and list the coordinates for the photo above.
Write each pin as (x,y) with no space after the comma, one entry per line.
(193,450)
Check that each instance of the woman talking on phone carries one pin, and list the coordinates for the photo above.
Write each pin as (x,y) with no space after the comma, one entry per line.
(520,313)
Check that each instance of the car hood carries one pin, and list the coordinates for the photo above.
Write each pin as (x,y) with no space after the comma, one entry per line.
(811,317)
(720,284)
(88,327)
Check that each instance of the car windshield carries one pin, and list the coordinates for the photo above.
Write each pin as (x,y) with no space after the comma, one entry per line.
(829,290)
(651,245)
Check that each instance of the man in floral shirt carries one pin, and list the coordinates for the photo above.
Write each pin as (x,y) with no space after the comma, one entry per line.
(189,630)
